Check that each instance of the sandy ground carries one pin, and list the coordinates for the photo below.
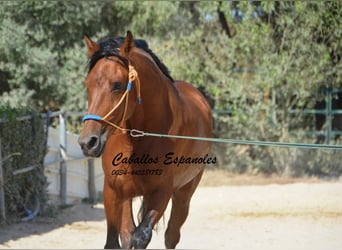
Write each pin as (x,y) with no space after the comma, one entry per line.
(237,213)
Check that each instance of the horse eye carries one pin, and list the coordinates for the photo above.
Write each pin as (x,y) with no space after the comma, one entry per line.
(117,86)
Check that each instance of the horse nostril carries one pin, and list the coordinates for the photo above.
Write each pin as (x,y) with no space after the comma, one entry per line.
(91,145)
(87,143)
(92,142)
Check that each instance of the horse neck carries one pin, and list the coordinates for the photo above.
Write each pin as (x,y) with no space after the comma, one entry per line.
(157,90)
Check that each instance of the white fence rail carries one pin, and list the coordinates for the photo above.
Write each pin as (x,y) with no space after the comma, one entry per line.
(70,175)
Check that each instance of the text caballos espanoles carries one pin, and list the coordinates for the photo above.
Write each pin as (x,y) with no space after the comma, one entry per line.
(168,159)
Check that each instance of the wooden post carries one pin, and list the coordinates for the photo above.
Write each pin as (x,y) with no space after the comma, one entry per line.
(2,193)
(91,181)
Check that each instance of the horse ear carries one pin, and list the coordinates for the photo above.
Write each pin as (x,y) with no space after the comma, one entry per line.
(92,46)
(127,45)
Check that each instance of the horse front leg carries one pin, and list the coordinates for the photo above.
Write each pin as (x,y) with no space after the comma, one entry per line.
(113,210)
(127,225)
(154,207)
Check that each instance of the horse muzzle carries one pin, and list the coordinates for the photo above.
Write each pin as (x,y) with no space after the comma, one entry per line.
(92,145)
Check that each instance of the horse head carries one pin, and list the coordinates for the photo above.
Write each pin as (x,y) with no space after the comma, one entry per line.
(111,101)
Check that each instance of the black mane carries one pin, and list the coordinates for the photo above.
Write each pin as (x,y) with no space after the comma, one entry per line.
(110,47)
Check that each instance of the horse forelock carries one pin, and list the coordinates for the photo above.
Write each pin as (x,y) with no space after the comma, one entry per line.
(111,47)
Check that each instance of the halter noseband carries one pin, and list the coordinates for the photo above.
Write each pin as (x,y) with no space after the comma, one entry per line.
(132,76)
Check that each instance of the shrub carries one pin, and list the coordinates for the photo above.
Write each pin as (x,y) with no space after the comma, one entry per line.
(23,145)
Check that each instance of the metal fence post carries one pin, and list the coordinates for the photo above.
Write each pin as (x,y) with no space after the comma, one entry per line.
(328,115)
(91,181)
(2,193)
(63,166)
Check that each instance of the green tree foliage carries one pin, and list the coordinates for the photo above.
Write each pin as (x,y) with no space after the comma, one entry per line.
(40,50)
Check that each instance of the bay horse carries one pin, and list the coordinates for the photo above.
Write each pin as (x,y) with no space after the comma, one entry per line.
(130,88)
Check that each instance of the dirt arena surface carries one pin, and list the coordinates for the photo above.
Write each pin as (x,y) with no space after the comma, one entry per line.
(227,212)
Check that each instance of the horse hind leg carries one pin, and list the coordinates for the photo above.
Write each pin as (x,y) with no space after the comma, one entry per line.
(179,211)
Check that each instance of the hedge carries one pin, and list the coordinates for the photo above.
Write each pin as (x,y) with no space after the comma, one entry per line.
(23,146)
